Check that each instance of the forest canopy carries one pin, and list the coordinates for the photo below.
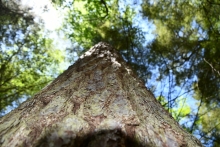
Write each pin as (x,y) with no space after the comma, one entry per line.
(180,62)
(26,55)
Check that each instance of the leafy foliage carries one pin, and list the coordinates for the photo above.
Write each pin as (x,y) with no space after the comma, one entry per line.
(187,46)
(26,57)
(89,22)
(180,112)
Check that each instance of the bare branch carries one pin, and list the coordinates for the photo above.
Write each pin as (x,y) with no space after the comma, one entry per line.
(211,66)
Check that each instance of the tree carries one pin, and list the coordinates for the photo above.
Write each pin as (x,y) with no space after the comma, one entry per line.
(26,55)
(186,48)
(187,33)
(98,101)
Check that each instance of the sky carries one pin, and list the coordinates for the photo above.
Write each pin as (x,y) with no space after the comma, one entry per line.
(51,16)
(53,19)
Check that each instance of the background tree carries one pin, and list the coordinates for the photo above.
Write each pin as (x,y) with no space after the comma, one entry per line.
(27,57)
(186,47)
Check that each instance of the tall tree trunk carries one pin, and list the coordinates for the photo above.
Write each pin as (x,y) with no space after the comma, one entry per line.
(97,102)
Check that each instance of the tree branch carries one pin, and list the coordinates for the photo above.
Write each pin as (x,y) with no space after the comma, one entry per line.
(106,8)
(211,66)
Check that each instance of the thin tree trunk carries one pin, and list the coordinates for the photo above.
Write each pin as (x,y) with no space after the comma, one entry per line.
(97,102)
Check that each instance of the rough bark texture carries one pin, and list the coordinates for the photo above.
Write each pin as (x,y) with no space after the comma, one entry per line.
(97,102)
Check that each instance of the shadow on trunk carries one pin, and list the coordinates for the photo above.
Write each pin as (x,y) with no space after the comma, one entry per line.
(105,138)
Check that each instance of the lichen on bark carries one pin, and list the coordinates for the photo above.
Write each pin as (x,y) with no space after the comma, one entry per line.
(98,101)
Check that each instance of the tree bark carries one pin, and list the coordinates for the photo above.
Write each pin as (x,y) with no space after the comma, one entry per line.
(97,102)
